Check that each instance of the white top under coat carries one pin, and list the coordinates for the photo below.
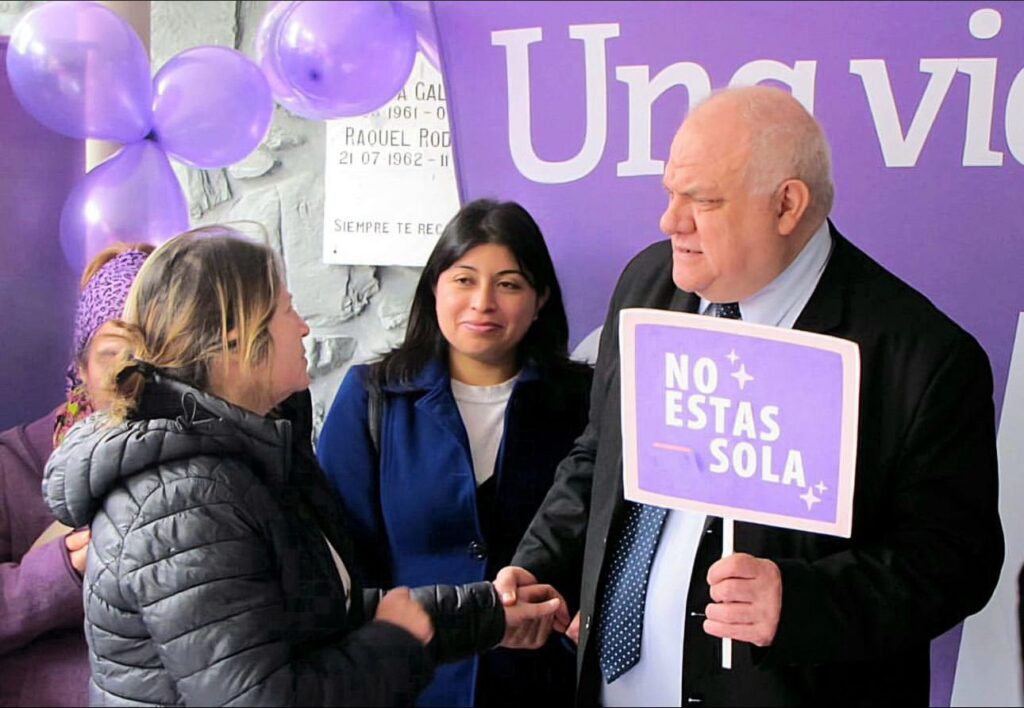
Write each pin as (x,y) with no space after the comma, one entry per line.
(483,413)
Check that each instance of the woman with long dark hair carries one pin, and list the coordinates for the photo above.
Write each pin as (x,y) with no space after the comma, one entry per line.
(443,450)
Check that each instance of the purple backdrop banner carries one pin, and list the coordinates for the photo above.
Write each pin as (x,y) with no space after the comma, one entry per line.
(569,108)
(38,168)
(923,104)
(739,420)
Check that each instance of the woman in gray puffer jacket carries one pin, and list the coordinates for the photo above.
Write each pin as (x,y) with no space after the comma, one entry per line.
(216,573)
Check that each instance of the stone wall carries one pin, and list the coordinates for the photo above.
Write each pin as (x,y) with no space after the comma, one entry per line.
(10,11)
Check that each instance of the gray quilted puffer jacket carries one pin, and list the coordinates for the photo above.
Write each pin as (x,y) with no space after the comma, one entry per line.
(209,580)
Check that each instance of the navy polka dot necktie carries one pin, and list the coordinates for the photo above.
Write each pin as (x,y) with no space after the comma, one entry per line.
(728,310)
(620,620)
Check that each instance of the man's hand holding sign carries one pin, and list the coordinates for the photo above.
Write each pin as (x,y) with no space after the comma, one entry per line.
(747,594)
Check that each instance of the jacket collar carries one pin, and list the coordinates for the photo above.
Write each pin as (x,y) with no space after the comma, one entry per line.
(268,439)
(175,422)
(684,301)
(435,376)
(167,397)
(823,313)
(439,402)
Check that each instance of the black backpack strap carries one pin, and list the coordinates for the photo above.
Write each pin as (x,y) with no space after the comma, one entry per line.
(374,411)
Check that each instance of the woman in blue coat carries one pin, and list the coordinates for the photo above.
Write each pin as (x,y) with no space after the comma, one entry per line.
(443,450)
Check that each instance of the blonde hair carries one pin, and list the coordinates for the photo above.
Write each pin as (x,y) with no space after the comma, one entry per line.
(200,295)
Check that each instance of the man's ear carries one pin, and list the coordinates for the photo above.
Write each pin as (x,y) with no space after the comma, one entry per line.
(792,201)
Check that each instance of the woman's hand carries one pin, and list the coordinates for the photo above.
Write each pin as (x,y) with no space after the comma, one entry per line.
(77,544)
(528,622)
(398,608)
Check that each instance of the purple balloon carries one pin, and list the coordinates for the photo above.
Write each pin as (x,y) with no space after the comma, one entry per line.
(342,58)
(80,70)
(266,37)
(266,40)
(421,14)
(134,196)
(211,106)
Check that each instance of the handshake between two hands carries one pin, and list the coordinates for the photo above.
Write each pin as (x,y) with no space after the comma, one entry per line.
(532,610)
(746,594)
(746,605)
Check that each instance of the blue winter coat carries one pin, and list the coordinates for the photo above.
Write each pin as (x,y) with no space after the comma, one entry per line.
(413,508)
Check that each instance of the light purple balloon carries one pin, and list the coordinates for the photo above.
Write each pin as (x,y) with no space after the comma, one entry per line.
(421,15)
(132,197)
(266,37)
(342,58)
(266,40)
(211,106)
(80,70)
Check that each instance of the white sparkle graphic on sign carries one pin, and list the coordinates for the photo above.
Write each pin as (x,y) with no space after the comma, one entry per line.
(742,377)
(810,498)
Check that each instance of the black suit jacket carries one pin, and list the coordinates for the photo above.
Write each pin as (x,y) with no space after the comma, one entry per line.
(857,614)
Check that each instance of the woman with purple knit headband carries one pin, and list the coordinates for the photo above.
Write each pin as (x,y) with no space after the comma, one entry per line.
(105,286)
(43,659)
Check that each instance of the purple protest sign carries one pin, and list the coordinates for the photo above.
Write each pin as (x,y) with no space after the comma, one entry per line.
(739,420)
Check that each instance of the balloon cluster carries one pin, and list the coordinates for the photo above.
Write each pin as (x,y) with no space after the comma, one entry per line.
(81,70)
(334,59)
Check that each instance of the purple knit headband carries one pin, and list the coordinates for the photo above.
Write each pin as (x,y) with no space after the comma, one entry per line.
(102,300)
